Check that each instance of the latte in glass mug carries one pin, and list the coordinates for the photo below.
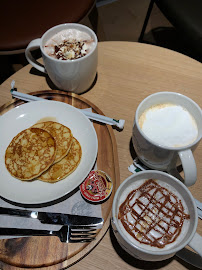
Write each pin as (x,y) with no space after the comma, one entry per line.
(169,125)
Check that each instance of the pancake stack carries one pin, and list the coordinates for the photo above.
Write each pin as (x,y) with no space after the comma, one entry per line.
(46,151)
(61,134)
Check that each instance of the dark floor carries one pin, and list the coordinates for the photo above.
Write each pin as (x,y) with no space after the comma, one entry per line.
(119,20)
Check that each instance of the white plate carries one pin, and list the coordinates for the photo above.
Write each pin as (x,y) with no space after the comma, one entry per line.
(26,115)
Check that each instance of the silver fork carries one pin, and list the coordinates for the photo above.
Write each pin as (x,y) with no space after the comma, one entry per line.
(67,234)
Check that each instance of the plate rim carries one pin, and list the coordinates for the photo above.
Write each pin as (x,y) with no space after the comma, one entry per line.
(54,198)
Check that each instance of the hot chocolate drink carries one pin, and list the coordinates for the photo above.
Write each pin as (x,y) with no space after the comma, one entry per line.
(69,44)
(153,215)
(169,125)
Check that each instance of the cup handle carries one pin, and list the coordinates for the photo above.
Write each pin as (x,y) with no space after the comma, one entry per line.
(196,243)
(33,45)
(190,257)
(189,167)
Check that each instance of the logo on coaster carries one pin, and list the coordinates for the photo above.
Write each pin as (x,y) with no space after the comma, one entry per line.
(97,186)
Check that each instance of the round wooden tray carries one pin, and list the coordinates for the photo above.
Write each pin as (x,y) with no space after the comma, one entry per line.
(49,252)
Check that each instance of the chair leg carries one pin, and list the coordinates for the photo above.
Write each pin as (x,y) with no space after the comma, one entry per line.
(97,24)
(140,39)
(93,18)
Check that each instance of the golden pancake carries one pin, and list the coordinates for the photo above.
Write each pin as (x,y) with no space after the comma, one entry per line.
(30,153)
(62,136)
(65,166)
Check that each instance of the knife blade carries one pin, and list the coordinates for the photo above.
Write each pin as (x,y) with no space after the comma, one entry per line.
(54,218)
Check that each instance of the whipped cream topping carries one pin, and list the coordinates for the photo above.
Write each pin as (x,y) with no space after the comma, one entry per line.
(69,44)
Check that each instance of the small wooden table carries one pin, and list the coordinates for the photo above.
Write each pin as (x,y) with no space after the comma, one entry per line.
(127,73)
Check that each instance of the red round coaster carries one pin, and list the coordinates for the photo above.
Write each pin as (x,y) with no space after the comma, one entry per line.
(97,186)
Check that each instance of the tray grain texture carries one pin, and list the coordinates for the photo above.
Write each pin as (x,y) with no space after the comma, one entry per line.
(49,252)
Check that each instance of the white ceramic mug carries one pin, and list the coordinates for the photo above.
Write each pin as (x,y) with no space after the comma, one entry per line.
(72,75)
(159,157)
(191,238)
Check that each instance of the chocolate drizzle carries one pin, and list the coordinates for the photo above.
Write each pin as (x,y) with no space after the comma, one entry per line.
(152,214)
(70,50)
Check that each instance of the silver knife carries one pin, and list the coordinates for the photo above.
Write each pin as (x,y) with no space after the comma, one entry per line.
(54,218)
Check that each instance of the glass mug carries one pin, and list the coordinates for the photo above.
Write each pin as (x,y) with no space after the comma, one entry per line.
(159,157)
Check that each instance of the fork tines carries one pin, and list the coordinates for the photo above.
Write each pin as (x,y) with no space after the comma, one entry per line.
(80,235)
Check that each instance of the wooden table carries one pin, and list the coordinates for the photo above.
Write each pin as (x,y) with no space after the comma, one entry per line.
(127,73)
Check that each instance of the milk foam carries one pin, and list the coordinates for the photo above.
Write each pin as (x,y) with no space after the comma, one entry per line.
(169,125)
(185,226)
(69,35)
